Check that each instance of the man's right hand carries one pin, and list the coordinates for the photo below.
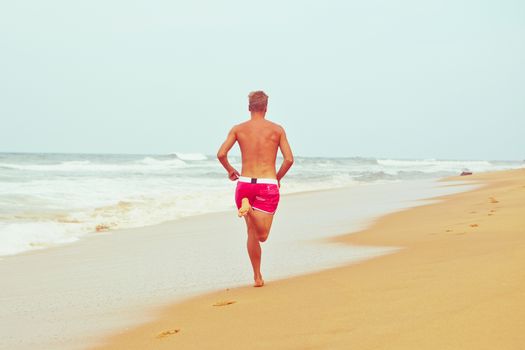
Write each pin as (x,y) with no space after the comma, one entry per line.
(234,175)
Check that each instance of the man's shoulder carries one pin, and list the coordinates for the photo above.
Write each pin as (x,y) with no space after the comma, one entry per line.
(249,124)
(240,126)
(276,126)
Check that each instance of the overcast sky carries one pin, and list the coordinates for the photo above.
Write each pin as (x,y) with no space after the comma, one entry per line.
(398,79)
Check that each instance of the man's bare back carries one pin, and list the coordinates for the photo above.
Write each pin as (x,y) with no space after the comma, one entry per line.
(257,192)
(259,140)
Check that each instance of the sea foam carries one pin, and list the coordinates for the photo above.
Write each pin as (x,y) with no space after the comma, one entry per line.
(48,199)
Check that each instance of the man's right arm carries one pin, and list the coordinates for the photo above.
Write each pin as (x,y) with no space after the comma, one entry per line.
(222,155)
(287,156)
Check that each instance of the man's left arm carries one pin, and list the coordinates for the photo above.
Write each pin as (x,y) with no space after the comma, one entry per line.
(286,151)
(222,155)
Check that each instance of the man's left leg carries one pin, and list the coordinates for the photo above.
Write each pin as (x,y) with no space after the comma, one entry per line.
(262,221)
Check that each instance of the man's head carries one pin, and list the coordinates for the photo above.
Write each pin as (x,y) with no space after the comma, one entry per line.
(258,101)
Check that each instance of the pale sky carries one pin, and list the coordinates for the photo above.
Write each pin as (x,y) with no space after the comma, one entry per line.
(389,79)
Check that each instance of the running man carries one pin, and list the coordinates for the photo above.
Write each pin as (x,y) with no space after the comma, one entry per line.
(257,192)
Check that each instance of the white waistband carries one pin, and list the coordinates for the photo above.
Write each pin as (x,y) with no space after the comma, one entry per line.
(258,181)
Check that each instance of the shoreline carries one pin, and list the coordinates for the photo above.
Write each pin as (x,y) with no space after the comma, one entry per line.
(456,283)
(89,235)
(122,230)
(65,204)
(84,291)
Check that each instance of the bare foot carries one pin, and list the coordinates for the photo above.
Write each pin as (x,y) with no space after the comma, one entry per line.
(259,282)
(245,208)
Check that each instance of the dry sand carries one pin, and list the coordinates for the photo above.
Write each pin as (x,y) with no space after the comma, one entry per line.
(459,283)
(73,295)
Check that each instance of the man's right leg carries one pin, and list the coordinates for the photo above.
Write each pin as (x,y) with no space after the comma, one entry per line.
(254,251)
(258,226)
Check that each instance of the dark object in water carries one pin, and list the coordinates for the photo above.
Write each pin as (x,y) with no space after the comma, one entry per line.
(464,173)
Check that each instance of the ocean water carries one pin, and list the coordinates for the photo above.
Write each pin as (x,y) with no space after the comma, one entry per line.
(49,199)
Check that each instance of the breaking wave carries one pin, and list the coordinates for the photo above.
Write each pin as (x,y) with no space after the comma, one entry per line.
(190,156)
(48,199)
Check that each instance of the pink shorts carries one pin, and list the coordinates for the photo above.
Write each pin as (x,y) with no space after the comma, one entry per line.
(263,194)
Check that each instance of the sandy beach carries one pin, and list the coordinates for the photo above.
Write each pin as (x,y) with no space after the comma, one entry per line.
(386,139)
(73,295)
(456,283)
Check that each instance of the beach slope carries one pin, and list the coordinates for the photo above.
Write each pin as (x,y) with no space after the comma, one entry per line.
(458,283)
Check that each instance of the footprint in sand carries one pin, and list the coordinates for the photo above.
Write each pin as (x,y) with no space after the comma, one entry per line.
(167,333)
(474,225)
(448,230)
(493,200)
(224,302)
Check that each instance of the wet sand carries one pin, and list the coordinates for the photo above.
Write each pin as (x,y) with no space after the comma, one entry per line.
(73,295)
(457,282)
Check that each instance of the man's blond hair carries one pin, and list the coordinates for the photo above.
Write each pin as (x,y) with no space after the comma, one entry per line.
(258,101)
